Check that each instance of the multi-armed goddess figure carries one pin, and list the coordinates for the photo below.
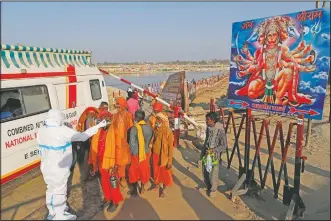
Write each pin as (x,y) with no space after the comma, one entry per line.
(274,68)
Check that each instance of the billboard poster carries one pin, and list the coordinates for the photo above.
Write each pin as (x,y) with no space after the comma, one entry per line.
(174,91)
(281,64)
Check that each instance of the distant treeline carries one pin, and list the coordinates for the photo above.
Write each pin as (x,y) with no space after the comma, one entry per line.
(203,62)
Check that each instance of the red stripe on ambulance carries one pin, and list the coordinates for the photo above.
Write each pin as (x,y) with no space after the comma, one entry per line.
(72,88)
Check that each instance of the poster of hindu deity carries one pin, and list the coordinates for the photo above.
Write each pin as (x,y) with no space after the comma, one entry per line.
(281,64)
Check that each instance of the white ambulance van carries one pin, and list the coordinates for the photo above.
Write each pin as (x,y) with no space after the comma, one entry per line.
(34,80)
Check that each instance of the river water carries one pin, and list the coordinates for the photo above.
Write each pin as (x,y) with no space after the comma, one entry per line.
(151,78)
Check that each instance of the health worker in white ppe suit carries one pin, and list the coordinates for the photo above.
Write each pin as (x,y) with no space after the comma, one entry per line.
(56,158)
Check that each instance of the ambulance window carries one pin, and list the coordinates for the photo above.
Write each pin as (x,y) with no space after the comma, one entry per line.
(25,101)
(35,99)
(95,90)
(11,105)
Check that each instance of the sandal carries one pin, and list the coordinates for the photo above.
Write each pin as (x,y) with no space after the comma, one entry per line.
(112,208)
(163,193)
(154,187)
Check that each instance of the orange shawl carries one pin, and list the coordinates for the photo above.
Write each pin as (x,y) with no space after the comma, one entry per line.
(109,155)
(163,145)
(122,123)
(152,120)
(122,127)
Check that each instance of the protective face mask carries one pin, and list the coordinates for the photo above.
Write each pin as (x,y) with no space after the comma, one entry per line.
(107,125)
(158,124)
(99,121)
(90,119)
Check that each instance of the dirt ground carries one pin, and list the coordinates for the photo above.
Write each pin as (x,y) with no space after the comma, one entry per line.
(186,199)
(315,181)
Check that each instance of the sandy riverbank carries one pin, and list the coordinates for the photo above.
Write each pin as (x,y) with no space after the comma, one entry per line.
(165,72)
(113,93)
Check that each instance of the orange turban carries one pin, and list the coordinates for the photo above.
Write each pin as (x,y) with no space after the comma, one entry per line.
(121,101)
(91,109)
(157,106)
(105,113)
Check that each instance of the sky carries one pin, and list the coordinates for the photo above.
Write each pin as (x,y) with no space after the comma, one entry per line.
(135,31)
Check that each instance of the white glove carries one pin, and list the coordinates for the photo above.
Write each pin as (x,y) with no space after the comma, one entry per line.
(102,124)
(201,132)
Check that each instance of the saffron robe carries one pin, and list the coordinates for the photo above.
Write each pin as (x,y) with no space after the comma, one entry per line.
(162,155)
(102,157)
(122,123)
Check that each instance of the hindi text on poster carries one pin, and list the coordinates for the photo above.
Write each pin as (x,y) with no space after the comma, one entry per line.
(281,64)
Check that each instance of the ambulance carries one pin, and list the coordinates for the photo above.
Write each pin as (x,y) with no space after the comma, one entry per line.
(34,80)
